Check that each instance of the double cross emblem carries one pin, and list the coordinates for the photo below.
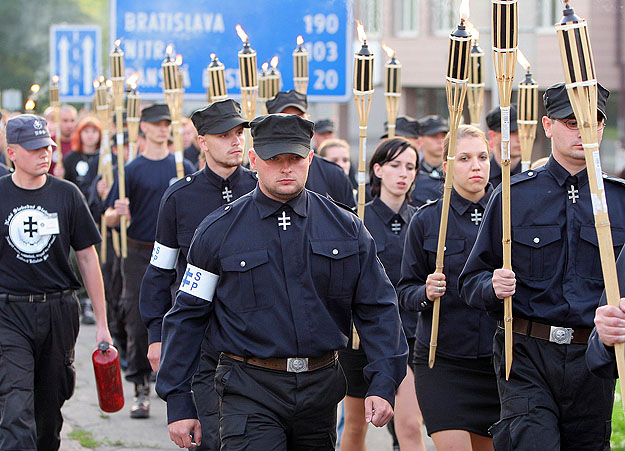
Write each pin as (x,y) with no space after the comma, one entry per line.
(29,226)
(573,194)
(476,217)
(226,194)
(284,221)
(396,227)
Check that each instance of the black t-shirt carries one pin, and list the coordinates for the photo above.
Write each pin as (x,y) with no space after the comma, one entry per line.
(38,228)
(80,169)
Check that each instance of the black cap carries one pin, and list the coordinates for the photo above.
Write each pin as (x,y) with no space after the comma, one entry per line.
(218,117)
(404,126)
(558,105)
(325,126)
(281,133)
(285,99)
(29,131)
(493,119)
(155,113)
(432,124)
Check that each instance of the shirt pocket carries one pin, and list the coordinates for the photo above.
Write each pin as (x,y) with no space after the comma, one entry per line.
(588,259)
(454,253)
(246,282)
(536,251)
(335,266)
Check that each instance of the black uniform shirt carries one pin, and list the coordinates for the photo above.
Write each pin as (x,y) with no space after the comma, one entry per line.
(463,332)
(327,178)
(281,280)
(495,172)
(146,182)
(38,228)
(183,206)
(4,170)
(428,185)
(81,169)
(555,252)
(389,233)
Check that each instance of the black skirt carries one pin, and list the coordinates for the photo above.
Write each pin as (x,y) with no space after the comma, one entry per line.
(456,394)
(353,362)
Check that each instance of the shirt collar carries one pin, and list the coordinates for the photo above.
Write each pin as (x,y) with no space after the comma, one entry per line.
(217,180)
(461,205)
(387,215)
(561,174)
(429,168)
(267,207)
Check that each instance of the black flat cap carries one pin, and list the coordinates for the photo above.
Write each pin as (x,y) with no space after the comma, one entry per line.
(285,99)
(558,106)
(29,131)
(155,113)
(432,124)
(404,126)
(281,133)
(325,126)
(218,117)
(493,119)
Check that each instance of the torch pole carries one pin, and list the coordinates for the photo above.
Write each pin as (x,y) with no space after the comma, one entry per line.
(133,116)
(527,118)
(300,67)
(456,89)
(55,103)
(581,86)
(104,162)
(475,91)
(248,72)
(392,93)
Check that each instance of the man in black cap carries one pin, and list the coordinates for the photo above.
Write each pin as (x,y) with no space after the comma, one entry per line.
(406,127)
(183,206)
(428,185)
(42,217)
(278,276)
(556,283)
(147,178)
(493,120)
(324,177)
(324,129)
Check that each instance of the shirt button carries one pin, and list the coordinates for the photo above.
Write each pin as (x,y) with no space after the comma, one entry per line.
(335,252)
(530,173)
(227,207)
(536,240)
(242,263)
(188,179)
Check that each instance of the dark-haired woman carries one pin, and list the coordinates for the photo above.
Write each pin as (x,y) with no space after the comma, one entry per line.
(458,396)
(392,170)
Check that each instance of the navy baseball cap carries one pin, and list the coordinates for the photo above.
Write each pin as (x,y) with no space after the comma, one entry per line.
(275,134)
(285,99)
(558,105)
(218,117)
(29,131)
(493,119)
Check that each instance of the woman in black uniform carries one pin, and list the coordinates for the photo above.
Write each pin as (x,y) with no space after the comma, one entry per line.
(392,170)
(458,396)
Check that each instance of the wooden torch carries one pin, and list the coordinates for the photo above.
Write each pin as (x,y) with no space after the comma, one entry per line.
(392,88)
(475,91)
(133,114)
(456,87)
(527,112)
(116,61)
(55,103)
(172,97)
(300,66)
(581,86)
(248,71)
(263,88)
(217,80)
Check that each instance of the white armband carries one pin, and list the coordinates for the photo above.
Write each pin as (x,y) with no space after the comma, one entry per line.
(199,283)
(164,257)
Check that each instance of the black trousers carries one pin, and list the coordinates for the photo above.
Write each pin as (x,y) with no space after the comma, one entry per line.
(133,269)
(551,401)
(112,276)
(269,410)
(206,398)
(36,371)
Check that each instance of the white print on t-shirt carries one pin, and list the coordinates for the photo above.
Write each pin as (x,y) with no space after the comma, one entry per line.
(24,233)
(82,167)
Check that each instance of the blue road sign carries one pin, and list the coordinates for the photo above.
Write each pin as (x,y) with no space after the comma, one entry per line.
(201,27)
(75,56)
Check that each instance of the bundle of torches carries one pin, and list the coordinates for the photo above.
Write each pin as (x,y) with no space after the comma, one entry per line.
(464,76)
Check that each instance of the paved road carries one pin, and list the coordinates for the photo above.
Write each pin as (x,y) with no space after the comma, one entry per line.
(117,431)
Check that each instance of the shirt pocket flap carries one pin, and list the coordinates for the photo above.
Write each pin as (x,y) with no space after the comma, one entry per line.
(452,246)
(514,407)
(334,249)
(589,233)
(537,236)
(245,261)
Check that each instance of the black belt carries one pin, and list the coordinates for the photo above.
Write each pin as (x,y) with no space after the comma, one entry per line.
(291,365)
(555,334)
(42,297)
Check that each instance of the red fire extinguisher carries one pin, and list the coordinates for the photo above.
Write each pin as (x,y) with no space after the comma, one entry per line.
(108,377)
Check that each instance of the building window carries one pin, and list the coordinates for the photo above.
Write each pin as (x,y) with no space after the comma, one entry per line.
(407,18)
(550,12)
(445,15)
(372,17)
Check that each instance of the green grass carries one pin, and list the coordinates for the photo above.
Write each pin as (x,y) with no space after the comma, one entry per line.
(84,437)
(617,441)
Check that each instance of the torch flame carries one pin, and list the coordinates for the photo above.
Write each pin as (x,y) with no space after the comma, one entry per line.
(362,36)
(30,105)
(274,62)
(389,51)
(264,67)
(464,10)
(96,83)
(213,56)
(169,50)
(117,43)
(132,80)
(241,33)
(55,79)
(300,40)
(35,88)
(522,60)
(179,60)
(109,83)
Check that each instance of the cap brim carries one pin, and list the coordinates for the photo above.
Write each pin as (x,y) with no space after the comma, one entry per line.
(295,105)
(226,125)
(37,143)
(270,150)
(436,130)
(162,117)
(321,131)
(563,113)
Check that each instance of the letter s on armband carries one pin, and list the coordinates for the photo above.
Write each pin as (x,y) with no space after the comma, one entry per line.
(199,283)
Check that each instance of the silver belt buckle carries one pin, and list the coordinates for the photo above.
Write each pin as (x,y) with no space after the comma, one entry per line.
(561,335)
(297,364)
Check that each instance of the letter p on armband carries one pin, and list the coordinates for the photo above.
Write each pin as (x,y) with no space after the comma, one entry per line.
(199,283)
